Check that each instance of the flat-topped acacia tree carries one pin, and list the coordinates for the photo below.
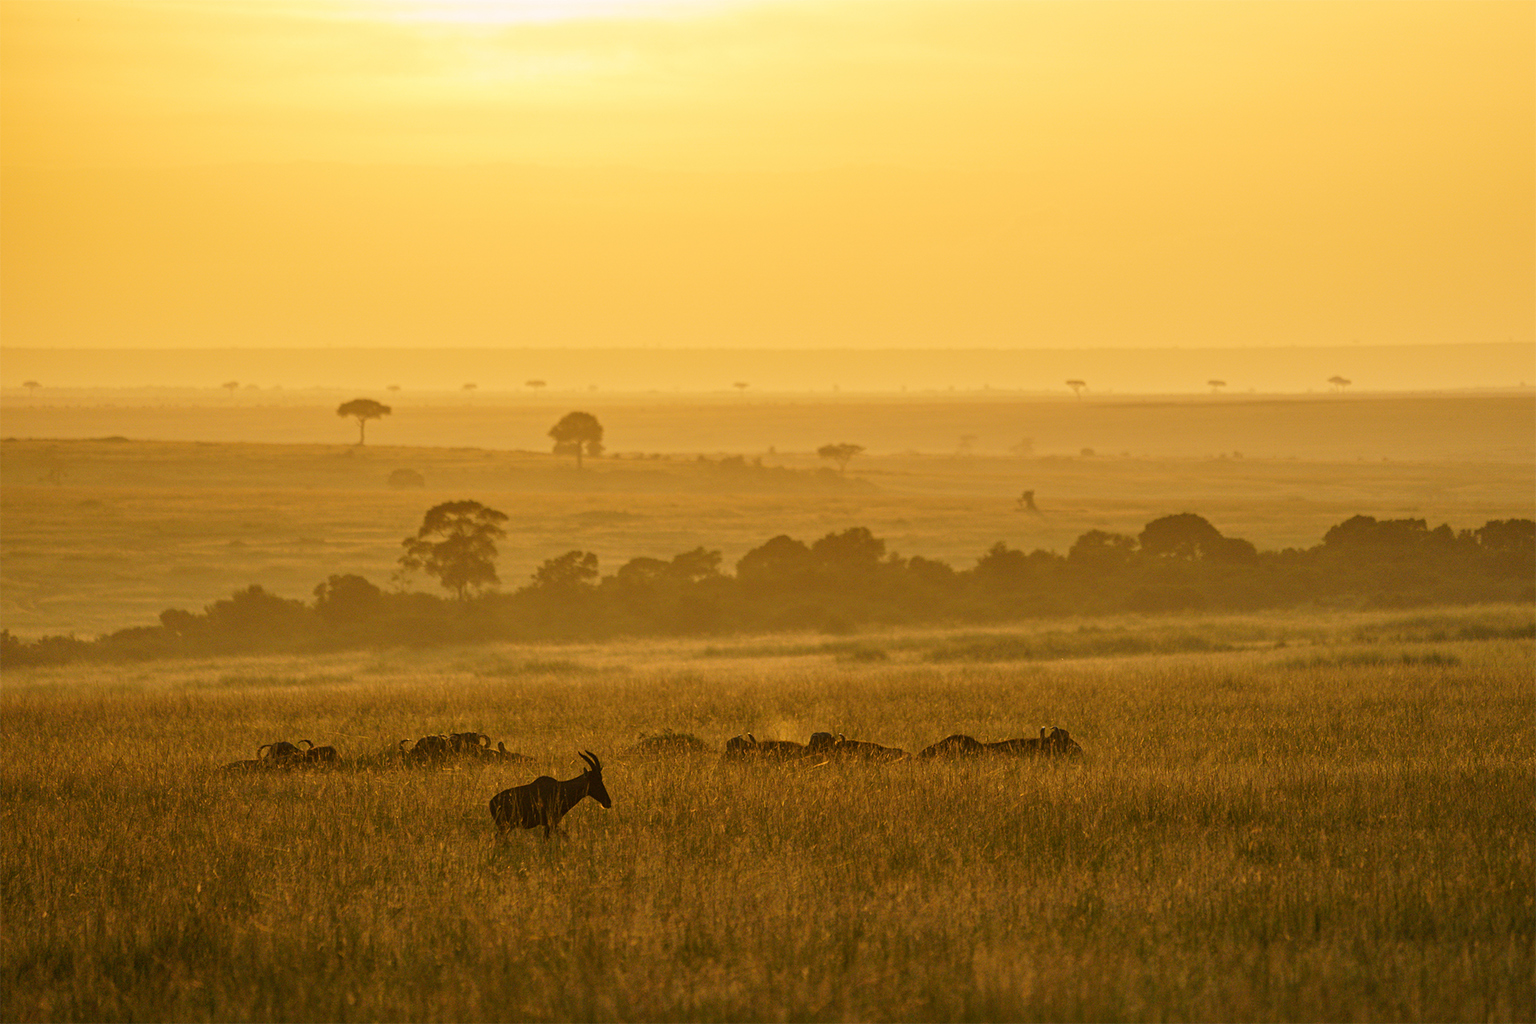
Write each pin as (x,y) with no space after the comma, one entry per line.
(363,410)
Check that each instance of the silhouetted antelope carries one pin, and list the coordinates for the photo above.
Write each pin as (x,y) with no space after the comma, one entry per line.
(1052,742)
(545,801)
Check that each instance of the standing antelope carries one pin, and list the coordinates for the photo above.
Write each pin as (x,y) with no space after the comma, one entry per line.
(545,801)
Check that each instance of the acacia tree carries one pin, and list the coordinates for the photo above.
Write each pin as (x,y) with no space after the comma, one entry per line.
(578,431)
(456,545)
(1077,387)
(363,410)
(840,454)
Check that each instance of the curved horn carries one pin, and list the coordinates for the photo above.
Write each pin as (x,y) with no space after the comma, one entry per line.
(259,750)
(751,740)
(484,740)
(310,742)
(591,759)
(402,745)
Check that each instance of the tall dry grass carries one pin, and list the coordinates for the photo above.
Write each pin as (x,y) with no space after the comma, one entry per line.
(1262,834)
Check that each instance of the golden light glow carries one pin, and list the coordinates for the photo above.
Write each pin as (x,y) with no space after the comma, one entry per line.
(919,173)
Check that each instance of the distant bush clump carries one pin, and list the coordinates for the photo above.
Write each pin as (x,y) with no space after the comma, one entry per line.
(404,479)
(849,580)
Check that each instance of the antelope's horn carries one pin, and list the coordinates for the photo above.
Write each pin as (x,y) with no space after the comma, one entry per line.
(310,742)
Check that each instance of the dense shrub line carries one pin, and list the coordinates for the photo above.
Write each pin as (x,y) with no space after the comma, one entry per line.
(848,579)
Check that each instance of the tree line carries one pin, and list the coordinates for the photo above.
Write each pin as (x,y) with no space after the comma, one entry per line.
(837,584)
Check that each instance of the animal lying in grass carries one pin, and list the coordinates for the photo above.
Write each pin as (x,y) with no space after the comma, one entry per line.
(544,801)
(1052,742)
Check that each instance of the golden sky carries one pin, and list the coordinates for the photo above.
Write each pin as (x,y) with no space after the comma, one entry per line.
(858,173)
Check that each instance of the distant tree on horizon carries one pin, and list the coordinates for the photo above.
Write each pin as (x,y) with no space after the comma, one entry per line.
(740,386)
(840,454)
(1077,387)
(1216,385)
(577,432)
(231,386)
(1340,383)
(363,410)
(31,386)
(536,385)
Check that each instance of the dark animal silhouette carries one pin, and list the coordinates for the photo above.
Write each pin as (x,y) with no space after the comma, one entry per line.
(957,745)
(428,749)
(544,801)
(1052,742)
(501,753)
(668,743)
(749,748)
(472,743)
(280,754)
(844,747)
(319,755)
(821,743)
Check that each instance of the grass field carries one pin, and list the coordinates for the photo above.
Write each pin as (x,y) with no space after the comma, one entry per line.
(1297,816)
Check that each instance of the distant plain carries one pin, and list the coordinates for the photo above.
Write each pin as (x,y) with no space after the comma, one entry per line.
(115,508)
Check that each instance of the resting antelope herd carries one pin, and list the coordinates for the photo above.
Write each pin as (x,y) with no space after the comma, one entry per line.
(545,801)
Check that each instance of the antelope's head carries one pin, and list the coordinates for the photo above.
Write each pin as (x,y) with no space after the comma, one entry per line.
(594,775)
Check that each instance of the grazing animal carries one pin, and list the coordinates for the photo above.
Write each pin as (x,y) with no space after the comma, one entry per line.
(544,801)
(319,755)
(845,747)
(958,745)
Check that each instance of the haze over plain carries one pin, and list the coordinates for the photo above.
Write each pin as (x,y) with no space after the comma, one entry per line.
(767,176)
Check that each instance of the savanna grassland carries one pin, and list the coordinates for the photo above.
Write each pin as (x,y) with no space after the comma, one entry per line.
(1330,819)
(1321,812)
(105,526)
